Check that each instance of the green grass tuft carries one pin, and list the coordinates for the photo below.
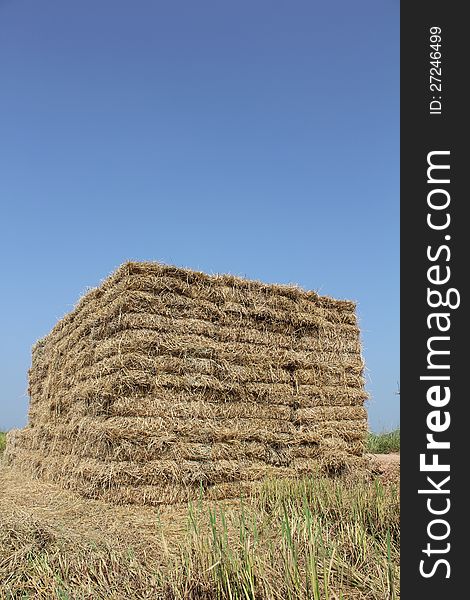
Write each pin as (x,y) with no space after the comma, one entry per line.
(383,443)
(3,439)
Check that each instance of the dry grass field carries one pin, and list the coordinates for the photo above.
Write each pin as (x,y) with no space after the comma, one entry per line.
(312,538)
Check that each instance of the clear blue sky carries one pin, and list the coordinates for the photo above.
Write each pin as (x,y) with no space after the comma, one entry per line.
(256,137)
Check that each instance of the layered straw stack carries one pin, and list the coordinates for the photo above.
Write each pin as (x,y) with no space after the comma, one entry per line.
(165,383)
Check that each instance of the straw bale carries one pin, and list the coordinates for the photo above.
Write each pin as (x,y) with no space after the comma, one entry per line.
(163,380)
(197,429)
(175,480)
(128,382)
(168,370)
(124,277)
(216,391)
(148,343)
(276,450)
(180,407)
(265,406)
(99,320)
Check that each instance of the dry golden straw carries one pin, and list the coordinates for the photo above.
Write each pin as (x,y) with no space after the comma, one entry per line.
(165,383)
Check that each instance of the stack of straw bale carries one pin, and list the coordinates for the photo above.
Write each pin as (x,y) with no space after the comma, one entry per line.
(164,383)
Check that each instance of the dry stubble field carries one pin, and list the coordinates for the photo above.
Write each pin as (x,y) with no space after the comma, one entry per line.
(314,538)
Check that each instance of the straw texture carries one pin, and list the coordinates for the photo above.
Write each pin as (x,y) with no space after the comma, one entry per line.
(165,383)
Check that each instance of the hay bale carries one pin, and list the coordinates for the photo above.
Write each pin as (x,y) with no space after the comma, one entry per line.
(164,382)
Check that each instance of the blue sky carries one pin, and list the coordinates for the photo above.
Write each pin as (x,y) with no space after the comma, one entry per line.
(257,137)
